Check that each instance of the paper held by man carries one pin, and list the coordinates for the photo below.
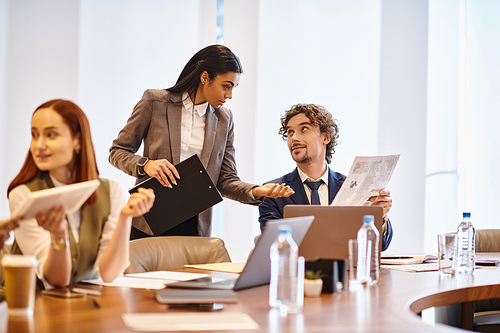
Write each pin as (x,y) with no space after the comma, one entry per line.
(367,177)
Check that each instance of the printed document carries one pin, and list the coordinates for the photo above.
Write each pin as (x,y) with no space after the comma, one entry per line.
(368,175)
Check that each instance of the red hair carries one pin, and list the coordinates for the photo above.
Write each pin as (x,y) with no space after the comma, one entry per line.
(84,166)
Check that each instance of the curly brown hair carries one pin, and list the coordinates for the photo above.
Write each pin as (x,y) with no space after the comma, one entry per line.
(319,116)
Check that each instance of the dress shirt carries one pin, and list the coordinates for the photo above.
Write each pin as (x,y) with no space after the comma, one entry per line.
(192,127)
(323,189)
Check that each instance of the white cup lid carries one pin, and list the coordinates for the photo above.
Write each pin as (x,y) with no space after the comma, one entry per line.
(19,260)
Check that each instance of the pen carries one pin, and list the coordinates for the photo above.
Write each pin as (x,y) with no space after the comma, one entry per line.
(400,257)
(96,304)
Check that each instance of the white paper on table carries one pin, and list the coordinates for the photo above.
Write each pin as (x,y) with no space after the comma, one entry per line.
(191,321)
(368,175)
(168,275)
(230,267)
(431,267)
(148,280)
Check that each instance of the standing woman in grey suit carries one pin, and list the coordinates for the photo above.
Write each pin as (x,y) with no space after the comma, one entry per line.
(186,119)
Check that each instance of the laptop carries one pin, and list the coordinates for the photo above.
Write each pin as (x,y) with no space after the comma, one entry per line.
(257,270)
(333,226)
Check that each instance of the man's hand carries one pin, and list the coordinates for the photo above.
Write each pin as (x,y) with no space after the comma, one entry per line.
(162,170)
(272,191)
(382,199)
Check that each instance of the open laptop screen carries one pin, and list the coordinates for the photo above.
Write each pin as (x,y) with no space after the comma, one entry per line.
(333,226)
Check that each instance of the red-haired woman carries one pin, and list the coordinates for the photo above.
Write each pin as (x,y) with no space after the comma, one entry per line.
(91,242)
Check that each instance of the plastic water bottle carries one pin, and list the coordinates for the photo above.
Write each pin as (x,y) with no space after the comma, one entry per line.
(368,263)
(465,254)
(283,289)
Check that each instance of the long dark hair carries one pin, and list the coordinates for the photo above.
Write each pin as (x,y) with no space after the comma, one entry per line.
(84,162)
(215,59)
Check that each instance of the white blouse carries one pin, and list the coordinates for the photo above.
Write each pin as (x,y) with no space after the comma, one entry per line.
(34,240)
(192,127)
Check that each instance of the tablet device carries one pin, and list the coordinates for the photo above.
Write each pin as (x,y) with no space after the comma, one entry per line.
(195,296)
(72,197)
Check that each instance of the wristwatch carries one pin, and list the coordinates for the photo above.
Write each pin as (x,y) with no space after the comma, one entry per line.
(59,244)
(140,166)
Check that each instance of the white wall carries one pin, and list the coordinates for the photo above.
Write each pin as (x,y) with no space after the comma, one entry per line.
(402,115)
(41,59)
(119,58)
(463,101)
(4,11)
(442,121)
(480,138)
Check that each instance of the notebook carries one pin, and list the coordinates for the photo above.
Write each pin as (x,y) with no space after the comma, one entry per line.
(193,193)
(332,228)
(257,270)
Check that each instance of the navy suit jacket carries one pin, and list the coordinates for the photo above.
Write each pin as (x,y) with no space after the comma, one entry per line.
(272,209)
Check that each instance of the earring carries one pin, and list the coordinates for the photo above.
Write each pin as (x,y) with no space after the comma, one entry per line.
(203,82)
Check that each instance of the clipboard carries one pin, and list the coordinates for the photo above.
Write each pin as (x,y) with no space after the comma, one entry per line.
(194,193)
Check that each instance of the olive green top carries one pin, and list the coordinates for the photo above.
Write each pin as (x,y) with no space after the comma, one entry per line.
(92,220)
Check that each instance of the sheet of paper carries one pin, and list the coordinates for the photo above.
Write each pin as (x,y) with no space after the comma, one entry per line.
(148,280)
(168,275)
(368,175)
(230,267)
(414,268)
(407,259)
(191,321)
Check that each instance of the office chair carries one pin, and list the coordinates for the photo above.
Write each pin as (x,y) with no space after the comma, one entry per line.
(4,251)
(173,252)
(487,312)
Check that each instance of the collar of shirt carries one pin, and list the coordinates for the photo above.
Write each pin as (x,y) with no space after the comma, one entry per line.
(200,109)
(323,189)
(304,177)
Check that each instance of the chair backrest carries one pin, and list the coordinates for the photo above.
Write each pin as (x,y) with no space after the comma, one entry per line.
(173,252)
(5,250)
(488,240)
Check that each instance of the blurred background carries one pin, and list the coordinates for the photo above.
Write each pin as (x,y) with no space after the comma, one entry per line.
(418,78)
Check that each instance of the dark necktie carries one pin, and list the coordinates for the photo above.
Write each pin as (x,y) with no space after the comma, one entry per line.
(314,186)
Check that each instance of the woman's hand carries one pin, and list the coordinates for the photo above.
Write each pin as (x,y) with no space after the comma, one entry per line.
(57,267)
(272,191)
(5,228)
(53,221)
(139,202)
(384,200)
(162,170)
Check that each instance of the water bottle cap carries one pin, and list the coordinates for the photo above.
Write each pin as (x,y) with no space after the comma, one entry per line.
(466,214)
(284,227)
(368,219)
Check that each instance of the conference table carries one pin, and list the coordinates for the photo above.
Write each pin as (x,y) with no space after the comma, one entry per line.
(392,305)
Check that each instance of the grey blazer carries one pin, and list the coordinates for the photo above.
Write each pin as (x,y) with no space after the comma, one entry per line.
(156,119)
